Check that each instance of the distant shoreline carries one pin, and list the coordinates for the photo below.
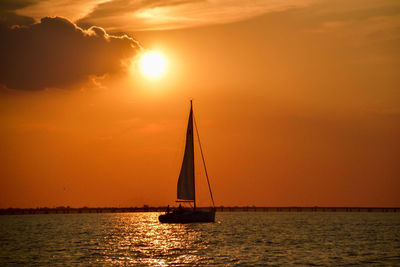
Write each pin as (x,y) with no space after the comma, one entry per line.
(68,210)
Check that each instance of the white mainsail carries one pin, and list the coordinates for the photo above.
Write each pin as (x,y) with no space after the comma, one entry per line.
(186,183)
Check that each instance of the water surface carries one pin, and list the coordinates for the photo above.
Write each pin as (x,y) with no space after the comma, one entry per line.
(237,238)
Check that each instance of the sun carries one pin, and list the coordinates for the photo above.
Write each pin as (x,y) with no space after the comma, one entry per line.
(152,64)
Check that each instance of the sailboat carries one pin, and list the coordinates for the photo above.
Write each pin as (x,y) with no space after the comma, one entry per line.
(186,191)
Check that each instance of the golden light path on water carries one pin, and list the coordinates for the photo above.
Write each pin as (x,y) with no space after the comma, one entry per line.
(152,241)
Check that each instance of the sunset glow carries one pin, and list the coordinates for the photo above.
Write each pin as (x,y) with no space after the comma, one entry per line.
(103,104)
(297,101)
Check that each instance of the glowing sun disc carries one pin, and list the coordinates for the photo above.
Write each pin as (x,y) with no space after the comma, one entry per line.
(152,64)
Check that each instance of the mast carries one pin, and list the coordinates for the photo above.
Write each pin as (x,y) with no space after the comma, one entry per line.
(194,177)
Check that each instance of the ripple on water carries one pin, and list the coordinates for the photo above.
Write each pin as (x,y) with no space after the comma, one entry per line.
(238,238)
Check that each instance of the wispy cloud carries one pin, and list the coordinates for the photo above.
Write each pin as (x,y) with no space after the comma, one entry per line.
(138,15)
(71,9)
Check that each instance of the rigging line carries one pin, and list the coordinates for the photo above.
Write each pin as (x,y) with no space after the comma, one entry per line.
(204,163)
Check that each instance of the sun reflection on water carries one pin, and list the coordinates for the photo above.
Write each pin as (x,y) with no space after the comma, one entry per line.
(141,239)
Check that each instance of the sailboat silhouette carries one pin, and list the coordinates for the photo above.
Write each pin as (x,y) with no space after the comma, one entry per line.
(186,189)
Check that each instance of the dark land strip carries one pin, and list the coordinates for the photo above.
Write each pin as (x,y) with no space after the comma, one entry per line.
(145,208)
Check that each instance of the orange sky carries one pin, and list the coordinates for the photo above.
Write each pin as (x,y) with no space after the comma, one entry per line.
(297,102)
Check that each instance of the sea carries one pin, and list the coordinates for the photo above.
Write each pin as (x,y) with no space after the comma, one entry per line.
(236,238)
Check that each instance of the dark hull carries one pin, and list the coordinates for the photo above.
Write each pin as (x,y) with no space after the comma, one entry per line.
(188,216)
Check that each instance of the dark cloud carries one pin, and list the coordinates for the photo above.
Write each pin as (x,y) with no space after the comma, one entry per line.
(8,17)
(57,53)
(11,5)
